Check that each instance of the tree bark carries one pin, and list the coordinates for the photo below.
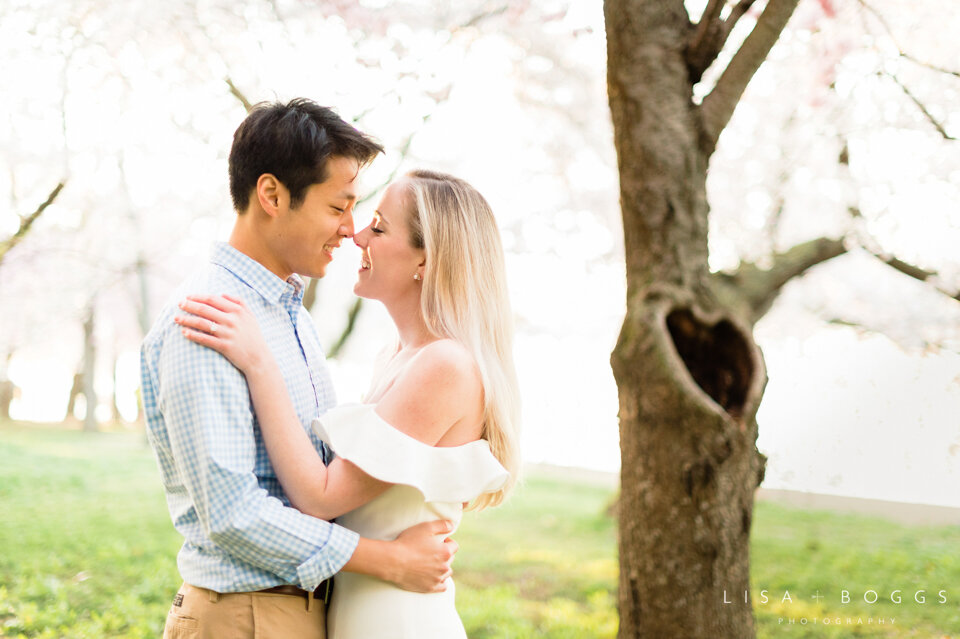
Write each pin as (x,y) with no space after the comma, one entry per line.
(689,374)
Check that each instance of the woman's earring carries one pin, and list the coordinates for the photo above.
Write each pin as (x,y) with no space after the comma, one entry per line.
(417,277)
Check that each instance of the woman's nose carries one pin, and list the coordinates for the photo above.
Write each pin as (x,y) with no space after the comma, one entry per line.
(360,239)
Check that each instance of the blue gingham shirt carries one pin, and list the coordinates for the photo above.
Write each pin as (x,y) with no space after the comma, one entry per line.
(240,533)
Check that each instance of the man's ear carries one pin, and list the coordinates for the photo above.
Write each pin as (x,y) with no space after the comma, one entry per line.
(272,194)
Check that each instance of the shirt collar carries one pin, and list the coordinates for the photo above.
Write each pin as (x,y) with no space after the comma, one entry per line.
(256,275)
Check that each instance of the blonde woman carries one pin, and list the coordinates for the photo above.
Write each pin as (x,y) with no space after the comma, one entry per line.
(438,426)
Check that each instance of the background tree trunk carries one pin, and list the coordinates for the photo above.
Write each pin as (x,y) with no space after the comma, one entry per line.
(115,415)
(144,316)
(7,391)
(689,375)
(75,391)
(89,369)
(7,388)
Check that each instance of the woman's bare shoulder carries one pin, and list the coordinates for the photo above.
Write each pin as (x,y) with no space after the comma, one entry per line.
(450,361)
(439,388)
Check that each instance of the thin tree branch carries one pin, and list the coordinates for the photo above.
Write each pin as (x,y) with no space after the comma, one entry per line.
(701,51)
(480,17)
(869,244)
(886,27)
(710,17)
(760,287)
(906,340)
(932,67)
(839,321)
(718,106)
(238,94)
(883,22)
(772,224)
(347,330)
(917,273)
(359,116)
(404,152)
(27,221)
(907,269)
(711,35)
(920,105)
(735,14)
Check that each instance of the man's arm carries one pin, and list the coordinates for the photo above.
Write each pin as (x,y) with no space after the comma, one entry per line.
(206,408)
(425,402)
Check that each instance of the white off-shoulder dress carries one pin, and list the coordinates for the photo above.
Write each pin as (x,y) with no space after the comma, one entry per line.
(430,483)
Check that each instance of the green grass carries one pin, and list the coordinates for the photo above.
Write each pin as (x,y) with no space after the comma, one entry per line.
(542,565)
(87,550)
(86,545)
(803,552)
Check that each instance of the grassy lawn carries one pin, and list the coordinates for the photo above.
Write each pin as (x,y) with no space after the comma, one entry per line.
(87,550)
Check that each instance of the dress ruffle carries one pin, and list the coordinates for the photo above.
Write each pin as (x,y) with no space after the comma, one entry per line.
(441,473)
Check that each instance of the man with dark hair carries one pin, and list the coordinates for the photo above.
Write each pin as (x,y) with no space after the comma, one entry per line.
(251,564)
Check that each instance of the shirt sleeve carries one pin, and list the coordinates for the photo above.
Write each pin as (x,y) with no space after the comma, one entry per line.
(207,410)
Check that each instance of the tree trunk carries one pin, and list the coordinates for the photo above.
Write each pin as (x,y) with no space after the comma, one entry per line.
(689,374)
(115,415)
(89,368)
(7,391)
(143,320)
(75,391)
(143,290)
(7,388)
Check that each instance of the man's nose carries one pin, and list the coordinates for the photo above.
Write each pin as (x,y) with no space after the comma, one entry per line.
(346,225)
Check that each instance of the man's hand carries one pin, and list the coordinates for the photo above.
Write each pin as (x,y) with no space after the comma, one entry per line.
(418,560)
(425,554)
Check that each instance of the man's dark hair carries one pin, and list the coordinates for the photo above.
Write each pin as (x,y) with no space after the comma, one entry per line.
(292,141)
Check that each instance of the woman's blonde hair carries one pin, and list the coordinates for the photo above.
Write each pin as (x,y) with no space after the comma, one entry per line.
(464,298)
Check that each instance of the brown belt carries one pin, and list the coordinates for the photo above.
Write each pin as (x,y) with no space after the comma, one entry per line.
(322,592)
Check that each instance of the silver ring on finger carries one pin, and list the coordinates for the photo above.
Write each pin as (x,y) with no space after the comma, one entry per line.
(213,329)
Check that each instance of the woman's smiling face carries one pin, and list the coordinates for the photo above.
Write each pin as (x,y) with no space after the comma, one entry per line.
(388,259)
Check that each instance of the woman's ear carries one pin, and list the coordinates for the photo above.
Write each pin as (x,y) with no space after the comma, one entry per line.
(422,267)
(272,194)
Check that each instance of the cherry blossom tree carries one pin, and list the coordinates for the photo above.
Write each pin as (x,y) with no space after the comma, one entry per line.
(689,373)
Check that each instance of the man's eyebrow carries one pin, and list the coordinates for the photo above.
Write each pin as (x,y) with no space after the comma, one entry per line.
(347,196)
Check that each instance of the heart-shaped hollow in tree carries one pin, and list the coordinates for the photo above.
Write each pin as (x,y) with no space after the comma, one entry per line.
(717,357)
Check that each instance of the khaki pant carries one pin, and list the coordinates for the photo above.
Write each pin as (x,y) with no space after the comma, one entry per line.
(198,613)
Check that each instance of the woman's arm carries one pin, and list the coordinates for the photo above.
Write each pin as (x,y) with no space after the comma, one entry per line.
(312,487)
